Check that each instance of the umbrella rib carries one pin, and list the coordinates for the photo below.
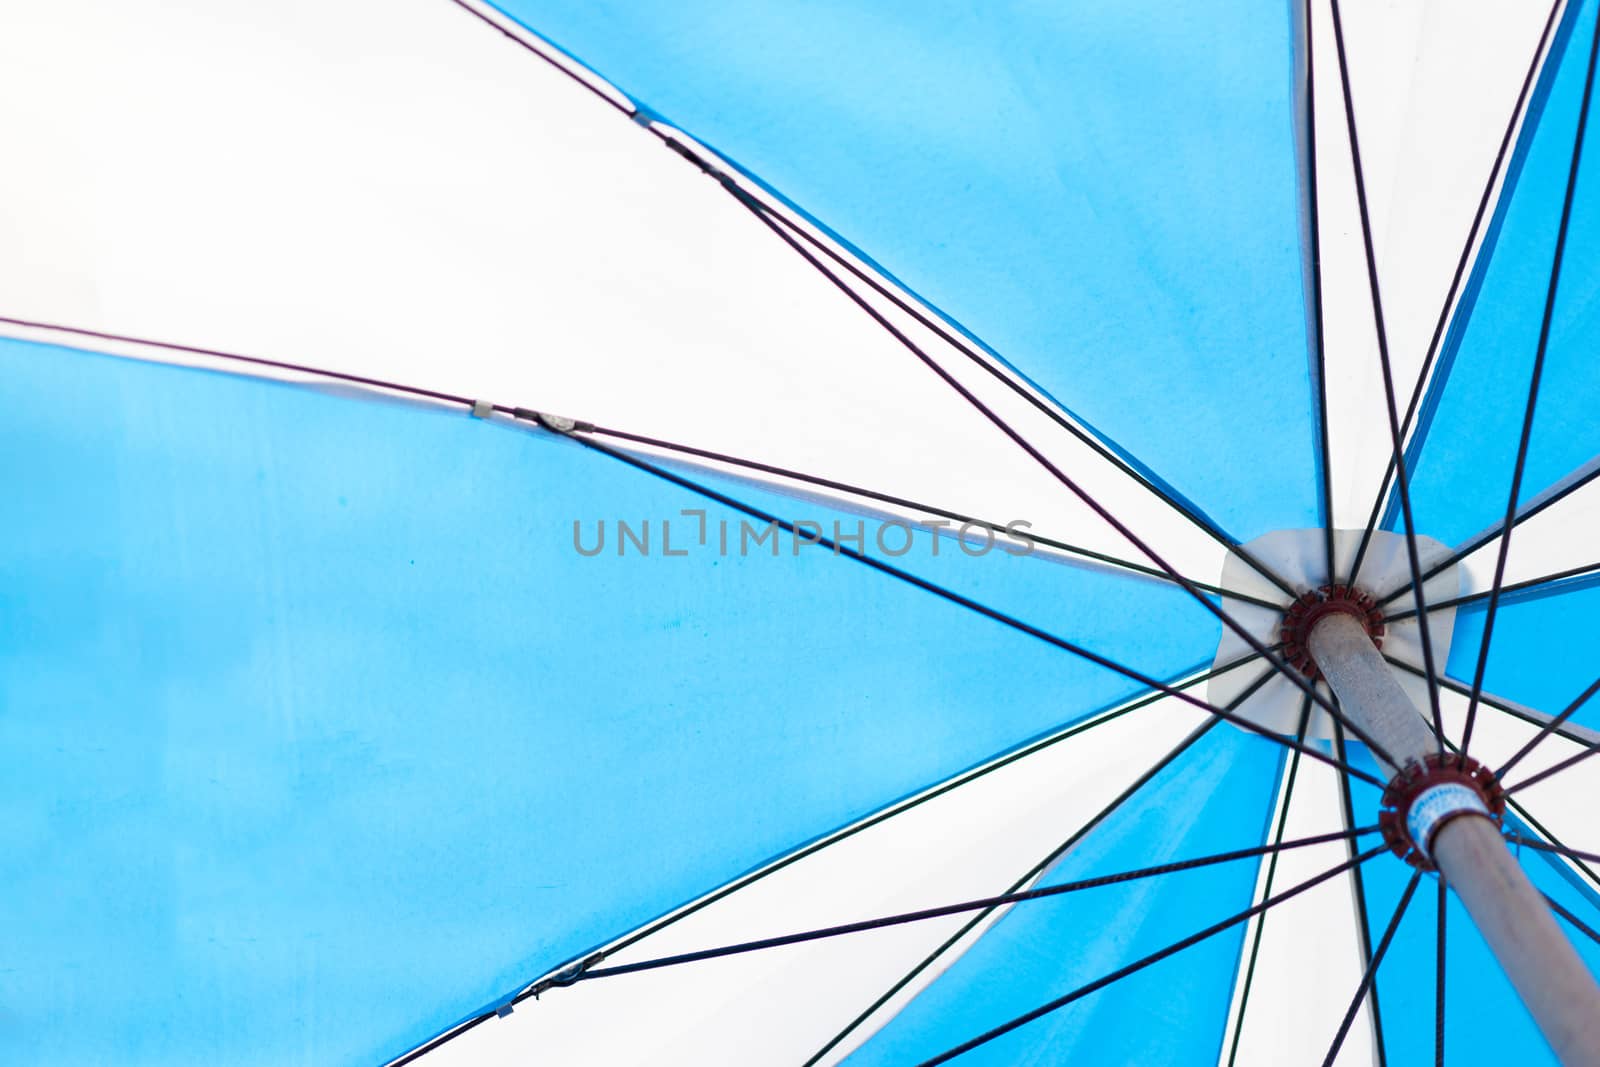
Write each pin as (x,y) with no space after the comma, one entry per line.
(1088,499)
(720,457)
(1554,768)
(1439,944)
(1548,729)
(1358,888)
(1455,282)
(1514,587)
(1145,961)
(1499,705)
(1573,857)
(1577,923)
(1049,410)
(1402,482)
(1032,873)
(1533,392)
(902,502)
(1318,340)
(946,910)
(1498,530)
(1266,887)
(1371,972)
(253,361)
(973,605)
(1546,846)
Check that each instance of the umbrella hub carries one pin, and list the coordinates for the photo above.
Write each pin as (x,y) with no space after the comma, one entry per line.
(1313,595)
(1311,608)
(1426,795)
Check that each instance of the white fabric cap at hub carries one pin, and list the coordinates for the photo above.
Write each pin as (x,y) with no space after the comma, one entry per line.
(1300,557)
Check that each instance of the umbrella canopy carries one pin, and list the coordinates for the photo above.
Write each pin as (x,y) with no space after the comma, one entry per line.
(950,405)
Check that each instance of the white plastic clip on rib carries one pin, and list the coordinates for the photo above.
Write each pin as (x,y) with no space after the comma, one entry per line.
(558,423)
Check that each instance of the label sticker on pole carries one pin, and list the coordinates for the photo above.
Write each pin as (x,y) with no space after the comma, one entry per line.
(1424,797)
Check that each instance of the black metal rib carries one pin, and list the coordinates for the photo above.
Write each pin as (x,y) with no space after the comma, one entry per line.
(254,361)
(1545,846)
(972,605)
(1371,972)
(946,910)
(1402,482)
(1045,408)
(1514,587)
(1473,544)
(1154,957)
(1455,282)
(1554,768)
(1576,859)
(1549,728)
(1266,886)
(1577,923)
(624,435)
(1358,888)
(1320,364)
(1299,680)
(914,505)
(1534,379)
(531,49)
(1032,873)
(1499,705)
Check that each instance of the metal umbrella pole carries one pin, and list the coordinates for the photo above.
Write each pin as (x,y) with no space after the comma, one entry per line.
(1444,808)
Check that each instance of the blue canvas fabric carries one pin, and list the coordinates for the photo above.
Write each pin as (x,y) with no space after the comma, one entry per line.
(1541,653)
(320,736)
(1106,194)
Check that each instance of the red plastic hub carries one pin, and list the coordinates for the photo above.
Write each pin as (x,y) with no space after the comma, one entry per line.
(1422,798)
(1311,608)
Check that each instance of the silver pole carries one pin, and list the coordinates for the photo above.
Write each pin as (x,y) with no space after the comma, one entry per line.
(1513,917)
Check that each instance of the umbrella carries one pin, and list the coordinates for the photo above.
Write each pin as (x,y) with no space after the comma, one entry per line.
(774,533)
